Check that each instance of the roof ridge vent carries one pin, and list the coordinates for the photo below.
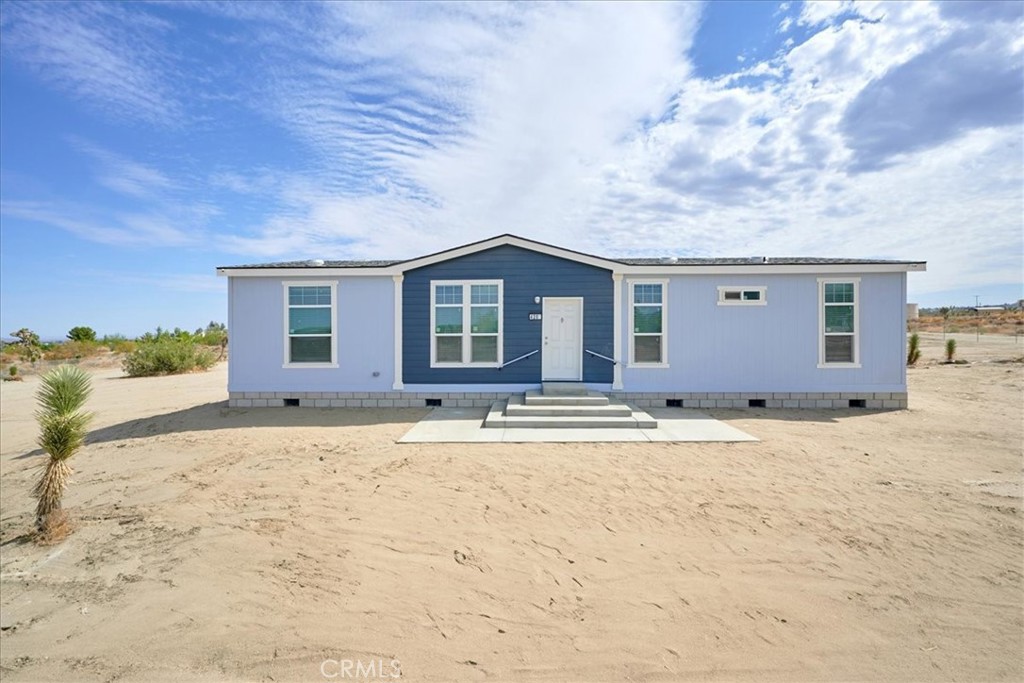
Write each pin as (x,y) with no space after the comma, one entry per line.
(315,262)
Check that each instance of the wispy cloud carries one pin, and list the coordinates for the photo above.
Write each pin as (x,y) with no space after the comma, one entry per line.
(125,175)
(117,229)
(173,281)
(101,53)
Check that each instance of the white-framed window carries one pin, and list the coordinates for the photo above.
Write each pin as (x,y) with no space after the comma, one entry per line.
(310,324)
(648,323)
(466,323)
(839,322)
(742,296)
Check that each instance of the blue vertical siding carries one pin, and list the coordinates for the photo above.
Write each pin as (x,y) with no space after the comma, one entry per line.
(714,348)
(525,275)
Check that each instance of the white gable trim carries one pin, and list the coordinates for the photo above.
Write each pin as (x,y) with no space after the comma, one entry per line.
(508,240)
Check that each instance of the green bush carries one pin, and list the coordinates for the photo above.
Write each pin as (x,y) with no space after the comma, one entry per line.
(82,334)
(215,334)
(118,343)
(167,357)
(914,351)
(950,350)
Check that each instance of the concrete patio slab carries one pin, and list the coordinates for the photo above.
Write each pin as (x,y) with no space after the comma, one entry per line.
(465,425)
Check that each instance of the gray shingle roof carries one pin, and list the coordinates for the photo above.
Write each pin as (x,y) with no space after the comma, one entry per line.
(320,263)
(658,261)
(652,261)
(751,261)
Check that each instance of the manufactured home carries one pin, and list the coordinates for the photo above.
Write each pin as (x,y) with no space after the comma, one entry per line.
(499,317)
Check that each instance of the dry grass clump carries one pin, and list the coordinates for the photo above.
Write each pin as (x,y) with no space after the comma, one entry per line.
(57,527)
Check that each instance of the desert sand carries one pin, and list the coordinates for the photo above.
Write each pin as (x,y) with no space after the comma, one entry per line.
(218,544)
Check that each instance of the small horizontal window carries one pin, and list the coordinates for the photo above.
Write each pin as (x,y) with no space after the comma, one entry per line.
(742,296)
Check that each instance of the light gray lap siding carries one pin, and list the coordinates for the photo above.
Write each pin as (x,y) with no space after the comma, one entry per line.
(772,347)
(364,337)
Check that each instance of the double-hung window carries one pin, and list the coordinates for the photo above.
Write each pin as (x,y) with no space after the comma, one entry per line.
(839,327)
(309,324)
(465,323)
(647,323)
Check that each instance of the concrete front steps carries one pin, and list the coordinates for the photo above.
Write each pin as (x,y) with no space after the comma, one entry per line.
(566,406)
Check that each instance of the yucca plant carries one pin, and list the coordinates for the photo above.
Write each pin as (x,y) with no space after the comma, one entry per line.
(63,426)
(950,350)
(914,350)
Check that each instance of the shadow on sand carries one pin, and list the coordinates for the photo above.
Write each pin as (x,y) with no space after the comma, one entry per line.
(823,415)
(217,415)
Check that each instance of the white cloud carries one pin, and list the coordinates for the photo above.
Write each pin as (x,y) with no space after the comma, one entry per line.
(124,175)
(429,125)
(121,230)
(97,52)
(817,12)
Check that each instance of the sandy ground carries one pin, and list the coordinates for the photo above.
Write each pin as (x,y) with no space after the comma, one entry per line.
(218,544)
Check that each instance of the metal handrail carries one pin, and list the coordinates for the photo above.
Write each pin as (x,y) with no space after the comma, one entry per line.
(516,360)
(595,353)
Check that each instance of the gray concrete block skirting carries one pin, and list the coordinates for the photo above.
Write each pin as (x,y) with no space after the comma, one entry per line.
(411,399)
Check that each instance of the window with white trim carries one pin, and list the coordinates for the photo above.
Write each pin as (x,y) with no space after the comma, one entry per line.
(839,328)
(647,319)
(309,324)
(742,296)
(465,323)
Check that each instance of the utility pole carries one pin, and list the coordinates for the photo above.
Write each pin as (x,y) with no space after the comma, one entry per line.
(977,318)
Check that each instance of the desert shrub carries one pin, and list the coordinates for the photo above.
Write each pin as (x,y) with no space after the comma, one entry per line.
(72,349)
(950,350)
(118,343)
(914,349)
(177,334)
(82,334)
(215,334)
(13,371)
(167,357)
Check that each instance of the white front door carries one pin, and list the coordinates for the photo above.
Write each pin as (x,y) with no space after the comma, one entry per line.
(562,346)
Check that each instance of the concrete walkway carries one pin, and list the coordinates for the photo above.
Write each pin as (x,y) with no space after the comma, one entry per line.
(465,425)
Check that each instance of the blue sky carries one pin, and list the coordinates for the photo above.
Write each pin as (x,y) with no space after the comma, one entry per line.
(141,145)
